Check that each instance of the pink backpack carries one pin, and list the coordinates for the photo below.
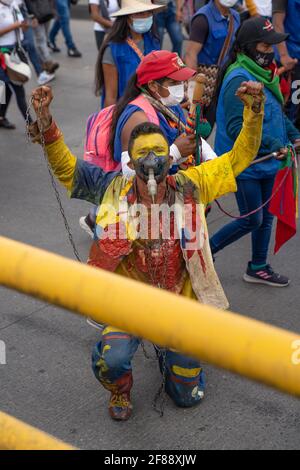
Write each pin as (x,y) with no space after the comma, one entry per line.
(96,150)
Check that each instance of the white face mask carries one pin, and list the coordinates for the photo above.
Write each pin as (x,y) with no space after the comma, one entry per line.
(228,3)
(175,97)
(8,3)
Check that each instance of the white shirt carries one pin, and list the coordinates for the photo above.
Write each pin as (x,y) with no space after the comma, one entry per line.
(264,7)
(7,19)
(112,7)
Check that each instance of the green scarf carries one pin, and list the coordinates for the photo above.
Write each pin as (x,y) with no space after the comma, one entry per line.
(262,75)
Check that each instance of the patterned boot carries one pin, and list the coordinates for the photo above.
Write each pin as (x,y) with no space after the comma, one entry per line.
(120,407)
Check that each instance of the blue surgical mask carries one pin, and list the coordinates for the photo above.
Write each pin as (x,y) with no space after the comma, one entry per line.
(142,25)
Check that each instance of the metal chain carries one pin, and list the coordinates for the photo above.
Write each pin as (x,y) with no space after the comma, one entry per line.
(143,346)
(52,178)
(160,397)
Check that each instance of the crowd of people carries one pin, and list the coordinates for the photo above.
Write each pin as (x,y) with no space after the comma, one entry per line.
(123,37)
(26,36)
(140,147)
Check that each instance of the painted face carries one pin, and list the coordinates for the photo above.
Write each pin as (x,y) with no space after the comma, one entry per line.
(151,152)
(144,144)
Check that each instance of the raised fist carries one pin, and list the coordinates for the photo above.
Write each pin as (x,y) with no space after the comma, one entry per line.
(252,95)
(41,100)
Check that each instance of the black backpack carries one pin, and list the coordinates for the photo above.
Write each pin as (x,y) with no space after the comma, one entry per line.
(41,9)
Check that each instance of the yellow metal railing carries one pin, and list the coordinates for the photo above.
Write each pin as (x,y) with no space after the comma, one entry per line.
(16,435)
(233,342)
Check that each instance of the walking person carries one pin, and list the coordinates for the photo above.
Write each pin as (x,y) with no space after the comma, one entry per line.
(11,24)
(101,11)
(43,77)
(62,22)
(253,59)
(42,12)
(212,35)
(209,29)
(130,39)
(167,20)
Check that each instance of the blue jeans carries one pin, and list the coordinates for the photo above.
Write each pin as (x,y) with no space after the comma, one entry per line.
(167,20)
(251,195)
(63,23)
(111,363)
(30,48)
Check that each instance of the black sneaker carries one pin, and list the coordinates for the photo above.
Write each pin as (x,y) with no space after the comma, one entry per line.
(53,47)
(74,52)
(266,276)
(6,124)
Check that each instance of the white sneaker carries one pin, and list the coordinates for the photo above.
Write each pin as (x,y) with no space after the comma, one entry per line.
(95,324)
(86,227)
(45,77)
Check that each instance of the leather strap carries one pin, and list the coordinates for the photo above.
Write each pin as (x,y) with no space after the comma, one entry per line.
(227,42)
(133,46)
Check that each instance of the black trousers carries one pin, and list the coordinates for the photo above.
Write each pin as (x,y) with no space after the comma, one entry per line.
(99,36)
(19,92)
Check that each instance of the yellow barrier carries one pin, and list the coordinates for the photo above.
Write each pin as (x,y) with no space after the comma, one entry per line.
(233,342)
(16,435)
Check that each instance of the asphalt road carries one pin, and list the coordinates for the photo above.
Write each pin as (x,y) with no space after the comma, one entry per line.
(47,380)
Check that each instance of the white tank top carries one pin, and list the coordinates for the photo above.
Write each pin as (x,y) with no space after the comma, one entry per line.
(7,19)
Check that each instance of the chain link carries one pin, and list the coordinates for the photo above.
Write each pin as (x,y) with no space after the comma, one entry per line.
(52,178)
(160,396)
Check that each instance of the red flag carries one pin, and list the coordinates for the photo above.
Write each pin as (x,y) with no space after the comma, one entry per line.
(284,203)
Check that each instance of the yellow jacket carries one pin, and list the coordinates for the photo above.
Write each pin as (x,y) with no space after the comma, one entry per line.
(210,181)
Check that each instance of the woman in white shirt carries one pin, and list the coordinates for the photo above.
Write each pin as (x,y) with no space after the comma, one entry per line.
(101,11)
(11,21)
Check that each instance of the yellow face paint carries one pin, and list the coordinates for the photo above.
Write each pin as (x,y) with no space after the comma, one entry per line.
(144,144)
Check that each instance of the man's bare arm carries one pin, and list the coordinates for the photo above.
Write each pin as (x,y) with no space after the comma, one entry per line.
(191,57)
(179,10)
(285,59)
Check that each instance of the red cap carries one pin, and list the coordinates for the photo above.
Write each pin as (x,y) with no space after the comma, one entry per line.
(160,64)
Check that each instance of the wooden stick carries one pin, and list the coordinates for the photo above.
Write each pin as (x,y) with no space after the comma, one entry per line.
(198,92)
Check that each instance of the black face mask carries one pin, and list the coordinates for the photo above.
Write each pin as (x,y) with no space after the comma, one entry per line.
(263,59)
(160,166)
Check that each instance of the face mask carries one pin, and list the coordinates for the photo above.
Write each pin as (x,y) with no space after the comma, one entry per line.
(175,97)
(159,165)
(228,3)
(263,59)
(142,25)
